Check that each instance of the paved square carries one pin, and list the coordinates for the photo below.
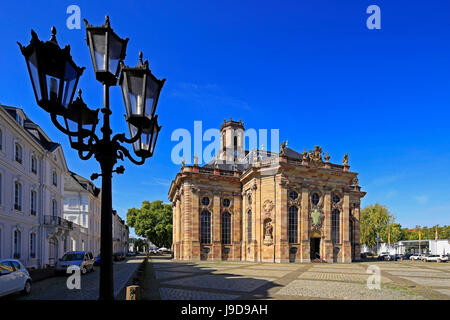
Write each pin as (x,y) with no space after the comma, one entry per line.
(401,280)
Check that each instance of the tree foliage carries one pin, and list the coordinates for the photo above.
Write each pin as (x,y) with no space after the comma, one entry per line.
(152,221)
(377,218)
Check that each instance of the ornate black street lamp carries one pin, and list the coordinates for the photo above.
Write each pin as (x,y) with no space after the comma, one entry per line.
(55,76)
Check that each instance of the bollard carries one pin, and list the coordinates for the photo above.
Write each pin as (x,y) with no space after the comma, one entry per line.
(133,293)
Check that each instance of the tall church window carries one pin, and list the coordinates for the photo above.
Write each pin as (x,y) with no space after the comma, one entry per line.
(315,199)
(205,225)
(226,228)
(293,225)
(249,226)
(335,224)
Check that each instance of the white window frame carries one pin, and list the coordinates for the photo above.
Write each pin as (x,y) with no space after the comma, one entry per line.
(34,159)
(16,145)
(18,196)
(32,249)
(33,204)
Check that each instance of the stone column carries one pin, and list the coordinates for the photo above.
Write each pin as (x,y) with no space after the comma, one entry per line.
(304,226)
(195,222)
(179,227)
(327,246)
(236,231)
(187,209)
(175,227)
(255,243)
(346,256)
(216,250)
(281,218)
(356,237)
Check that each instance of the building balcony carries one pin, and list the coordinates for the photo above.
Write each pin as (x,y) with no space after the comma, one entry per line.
(57,222)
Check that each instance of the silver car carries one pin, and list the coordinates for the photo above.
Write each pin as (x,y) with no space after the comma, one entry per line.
(82,259)
(14,277)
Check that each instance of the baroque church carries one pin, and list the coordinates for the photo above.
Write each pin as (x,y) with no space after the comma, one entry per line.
(262,206)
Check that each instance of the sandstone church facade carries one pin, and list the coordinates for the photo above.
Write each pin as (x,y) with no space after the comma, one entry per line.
(266,207)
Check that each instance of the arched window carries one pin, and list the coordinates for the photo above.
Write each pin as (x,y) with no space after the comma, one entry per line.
(315,199)
(293,195)
(335,224)
(293,225)
(17,244)
(18,196)
(55,178)
(205,225)
(54,208)
(33,164)
(18,153)
(33,202)
(249,226)
(226,228)
(32,245)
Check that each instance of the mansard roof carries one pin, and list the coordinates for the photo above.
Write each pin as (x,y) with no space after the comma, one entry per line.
(85,184)
(32,129)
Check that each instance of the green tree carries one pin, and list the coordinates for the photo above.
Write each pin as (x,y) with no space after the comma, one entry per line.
(377,219)
(152,221)
(140,244)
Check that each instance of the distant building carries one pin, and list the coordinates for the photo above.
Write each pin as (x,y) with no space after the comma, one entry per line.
(441,246)
(120,234)
(82,206)
(32,169)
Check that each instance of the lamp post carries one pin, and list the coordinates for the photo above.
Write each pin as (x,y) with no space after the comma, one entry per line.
(54,78)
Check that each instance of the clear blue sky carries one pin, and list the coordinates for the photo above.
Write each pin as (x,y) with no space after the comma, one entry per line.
(310,68)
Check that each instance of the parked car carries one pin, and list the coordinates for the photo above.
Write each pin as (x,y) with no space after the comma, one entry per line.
(406,256)
(385,256)
(131,253)
(14,277)
(397,256)
(163,250)
(116,256)
(367,255)
(122,256)
(97,261)
(415,257)
(436,258)
(82,259)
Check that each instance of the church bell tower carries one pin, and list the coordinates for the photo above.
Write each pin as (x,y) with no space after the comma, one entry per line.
(231,141)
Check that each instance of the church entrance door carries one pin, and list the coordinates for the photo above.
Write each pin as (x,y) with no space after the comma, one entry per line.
(314,248)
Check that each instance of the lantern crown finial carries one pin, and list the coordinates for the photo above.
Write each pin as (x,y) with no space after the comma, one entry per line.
(79,93)
(107,21)
(140,56)
(53,37)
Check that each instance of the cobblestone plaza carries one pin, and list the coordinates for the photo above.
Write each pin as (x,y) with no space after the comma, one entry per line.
(183,280)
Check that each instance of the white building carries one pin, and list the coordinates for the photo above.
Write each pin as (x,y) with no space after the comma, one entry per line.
(82,206)
(32,168)
(120,234)
(441,246)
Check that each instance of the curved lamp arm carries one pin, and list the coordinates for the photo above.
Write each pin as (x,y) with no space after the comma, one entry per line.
(85,132)
(128,155)
(122,138)
(86,157)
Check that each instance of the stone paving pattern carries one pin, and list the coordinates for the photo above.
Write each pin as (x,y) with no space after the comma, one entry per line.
(188,280)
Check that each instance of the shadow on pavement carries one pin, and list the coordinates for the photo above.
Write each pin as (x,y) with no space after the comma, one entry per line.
(167,279)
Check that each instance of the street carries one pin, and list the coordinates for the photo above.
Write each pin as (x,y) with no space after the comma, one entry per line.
(55,288)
